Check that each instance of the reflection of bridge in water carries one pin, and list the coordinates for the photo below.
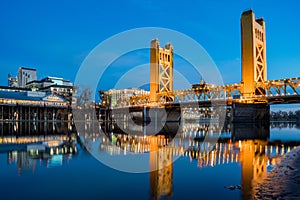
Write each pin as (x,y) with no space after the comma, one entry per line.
(256,153)
(193,140)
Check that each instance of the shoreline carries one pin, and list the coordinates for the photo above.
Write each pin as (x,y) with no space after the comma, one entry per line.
(283,182)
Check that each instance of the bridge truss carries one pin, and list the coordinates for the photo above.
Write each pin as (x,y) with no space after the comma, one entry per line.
(271,91)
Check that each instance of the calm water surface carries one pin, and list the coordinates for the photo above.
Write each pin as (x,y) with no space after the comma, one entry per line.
(241,158)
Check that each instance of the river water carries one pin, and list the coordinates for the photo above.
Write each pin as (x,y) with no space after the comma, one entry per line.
(242,156)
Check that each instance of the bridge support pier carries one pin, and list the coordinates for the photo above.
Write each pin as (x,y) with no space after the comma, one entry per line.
(168,114)
(144,114)
(250,113)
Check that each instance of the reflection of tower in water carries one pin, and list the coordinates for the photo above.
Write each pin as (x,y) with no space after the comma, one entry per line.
(254,164)
(161,168)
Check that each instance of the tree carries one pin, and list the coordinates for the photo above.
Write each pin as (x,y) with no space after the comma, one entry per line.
(291,115)
(84,98)
(297,113)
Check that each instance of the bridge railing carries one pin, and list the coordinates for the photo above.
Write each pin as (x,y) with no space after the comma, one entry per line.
(208,92)
(281,87)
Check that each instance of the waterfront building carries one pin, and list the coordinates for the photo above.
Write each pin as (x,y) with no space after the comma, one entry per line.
(27,81)
(30,105)
(55,85)
(118,97)
(31,99)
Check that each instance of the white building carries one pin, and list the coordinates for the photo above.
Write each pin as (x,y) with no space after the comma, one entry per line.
(26,75)
(121,96)
(55,85)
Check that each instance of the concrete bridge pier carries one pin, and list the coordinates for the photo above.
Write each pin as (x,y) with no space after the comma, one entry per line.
(166,114)
(250,113)
(144,115)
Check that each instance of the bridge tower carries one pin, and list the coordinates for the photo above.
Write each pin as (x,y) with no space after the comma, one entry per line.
(161,69)
(254,66)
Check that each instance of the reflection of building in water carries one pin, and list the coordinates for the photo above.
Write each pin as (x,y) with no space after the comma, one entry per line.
(22,159)
(27,150)
(161,167)
(31,139)
(28,159)
(227,152)
(55,161)
(223,153)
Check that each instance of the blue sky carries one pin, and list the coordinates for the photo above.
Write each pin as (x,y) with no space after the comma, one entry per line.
(56,36)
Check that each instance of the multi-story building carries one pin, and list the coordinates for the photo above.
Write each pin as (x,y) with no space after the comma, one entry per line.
(67,92)
(26,75)
(119,97)
(12,81)
(55,85)
(27,80)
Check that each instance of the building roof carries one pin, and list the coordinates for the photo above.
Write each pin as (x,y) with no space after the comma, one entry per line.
(48,80)
(30,96)
(13,88)
(17,96)
(54,78)
(57,86)
(27,68)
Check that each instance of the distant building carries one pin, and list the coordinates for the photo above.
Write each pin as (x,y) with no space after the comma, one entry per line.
(57,81)
(67,92)
(27,81)
(118,97)
(12,81)
(55,85)
(48,81)
(26,75)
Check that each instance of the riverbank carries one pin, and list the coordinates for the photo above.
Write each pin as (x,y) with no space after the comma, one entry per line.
(283,182)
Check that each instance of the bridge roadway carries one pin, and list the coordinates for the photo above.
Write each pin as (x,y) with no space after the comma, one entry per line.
(224,99)
(270,92)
